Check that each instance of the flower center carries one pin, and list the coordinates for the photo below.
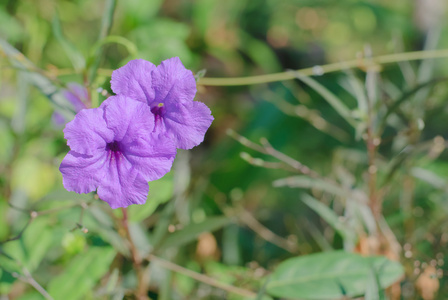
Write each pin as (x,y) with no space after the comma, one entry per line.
(158,110)
(113,147)
(114,153)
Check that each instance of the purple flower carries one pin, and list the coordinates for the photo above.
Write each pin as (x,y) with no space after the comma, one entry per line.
(169,90)
(114,150)
(77,95)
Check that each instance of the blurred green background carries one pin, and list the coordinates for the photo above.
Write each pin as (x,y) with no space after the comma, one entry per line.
(212,185)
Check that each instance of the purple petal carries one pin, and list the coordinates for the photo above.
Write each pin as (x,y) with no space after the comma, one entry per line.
(77,95)
(122,185)
(134,80)
(87,133)
(172,83)
(129,119)
(58,119)
(80,172)
(188,124)
(152,156)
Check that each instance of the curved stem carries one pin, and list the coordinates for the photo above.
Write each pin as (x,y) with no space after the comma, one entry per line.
(319,70)
(288,75)
(201,277)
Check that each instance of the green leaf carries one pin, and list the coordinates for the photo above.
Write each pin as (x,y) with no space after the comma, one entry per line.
(330,217)
(76,58)
(356,88)
(6,281)
(160,191)
(106,25)
(429,177)
(330,275)
(407,96)
(192,231)
(8,264)
(34,244)
(259,52)
(373,291)
(82,274)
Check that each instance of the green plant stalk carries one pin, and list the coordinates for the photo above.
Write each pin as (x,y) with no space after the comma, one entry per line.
(141,290)
(371,144)
(360,62)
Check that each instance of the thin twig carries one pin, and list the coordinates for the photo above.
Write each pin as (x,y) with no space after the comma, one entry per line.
(371,143)
(247,218)
(28,278)
(361,63)
(57,209)
(17,237)
(311,115)
(315,70)
(288,160)
(258,162)
(141,292)
(266,148)
(21,209)
(201,277)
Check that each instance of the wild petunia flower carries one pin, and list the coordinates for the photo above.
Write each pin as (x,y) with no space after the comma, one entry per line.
(114,150)
(77,95)
(169,90)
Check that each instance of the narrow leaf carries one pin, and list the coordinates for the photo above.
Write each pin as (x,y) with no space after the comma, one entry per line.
(73,54)
(302,181)
(329,216)
(82,274)
(331,98)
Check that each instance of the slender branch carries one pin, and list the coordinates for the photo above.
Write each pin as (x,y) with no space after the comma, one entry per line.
(21,209)
(266,148)
(57,209)
(372,142)
(310,115)
(247,218)
(201,277)
(17,237)
(141,292)
(28,278)
(288,75)
(320,70)
(258,162)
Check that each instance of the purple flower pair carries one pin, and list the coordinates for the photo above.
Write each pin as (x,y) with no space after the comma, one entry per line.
(132,137)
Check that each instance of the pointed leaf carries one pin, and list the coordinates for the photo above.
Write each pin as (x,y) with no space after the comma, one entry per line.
(330,275)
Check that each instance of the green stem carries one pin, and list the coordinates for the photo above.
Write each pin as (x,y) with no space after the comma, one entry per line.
(319,70)
(141,290)
(106,26)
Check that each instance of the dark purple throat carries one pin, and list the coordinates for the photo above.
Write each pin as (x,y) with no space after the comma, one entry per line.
(113,147)
(158,111)
(114,151)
